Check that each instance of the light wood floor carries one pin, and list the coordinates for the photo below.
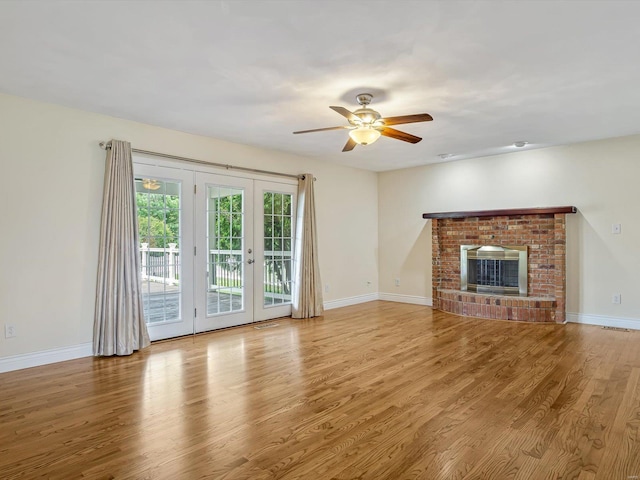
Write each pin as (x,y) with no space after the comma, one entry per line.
(375,391)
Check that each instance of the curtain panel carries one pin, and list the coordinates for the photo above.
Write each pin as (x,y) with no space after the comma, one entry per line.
(307,294)
(119,326)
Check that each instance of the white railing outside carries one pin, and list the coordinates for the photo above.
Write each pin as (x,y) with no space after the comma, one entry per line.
(162,265)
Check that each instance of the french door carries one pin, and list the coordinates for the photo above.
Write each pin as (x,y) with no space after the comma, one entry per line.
(165,205)
(217,250)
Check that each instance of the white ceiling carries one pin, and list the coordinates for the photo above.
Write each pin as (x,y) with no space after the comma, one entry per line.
(489,72)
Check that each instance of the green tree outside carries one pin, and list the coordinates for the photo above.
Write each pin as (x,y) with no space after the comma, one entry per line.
(159,225)
(158,219)
(226,233)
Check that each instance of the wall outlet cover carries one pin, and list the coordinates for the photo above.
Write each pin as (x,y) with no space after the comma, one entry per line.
(9,331)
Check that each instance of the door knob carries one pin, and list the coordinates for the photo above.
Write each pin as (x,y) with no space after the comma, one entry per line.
(250,261)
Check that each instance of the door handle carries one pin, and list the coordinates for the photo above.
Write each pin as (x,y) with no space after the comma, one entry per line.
(250,261)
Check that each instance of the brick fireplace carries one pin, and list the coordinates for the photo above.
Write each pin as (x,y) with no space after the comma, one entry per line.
(541,230)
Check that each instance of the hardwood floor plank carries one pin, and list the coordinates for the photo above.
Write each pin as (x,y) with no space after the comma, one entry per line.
(624,434)
(379,390)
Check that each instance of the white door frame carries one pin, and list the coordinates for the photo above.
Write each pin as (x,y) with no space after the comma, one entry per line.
(262,311)
(211,321)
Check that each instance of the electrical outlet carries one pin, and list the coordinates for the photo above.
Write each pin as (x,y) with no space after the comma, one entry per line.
(9,331)
(616,298)
(397,282)
(326,288)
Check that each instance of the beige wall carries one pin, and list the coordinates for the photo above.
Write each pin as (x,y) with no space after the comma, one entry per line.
(600,178)
(51,187)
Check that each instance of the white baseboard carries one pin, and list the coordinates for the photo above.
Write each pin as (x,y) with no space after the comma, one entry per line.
(35,359)
(395,297)
(345,302)
(631,323)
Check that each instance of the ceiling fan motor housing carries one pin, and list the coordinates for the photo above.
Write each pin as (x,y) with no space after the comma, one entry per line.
(367,115)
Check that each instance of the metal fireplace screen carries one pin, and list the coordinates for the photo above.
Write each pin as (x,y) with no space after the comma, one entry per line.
(494,269)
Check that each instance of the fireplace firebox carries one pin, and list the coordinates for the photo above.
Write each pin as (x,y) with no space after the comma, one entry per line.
(494,269)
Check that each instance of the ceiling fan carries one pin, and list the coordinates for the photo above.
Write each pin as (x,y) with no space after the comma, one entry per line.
(366,125)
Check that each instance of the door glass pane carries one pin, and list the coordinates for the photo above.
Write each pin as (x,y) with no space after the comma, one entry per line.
(277,248)
(158,206)
(225,267)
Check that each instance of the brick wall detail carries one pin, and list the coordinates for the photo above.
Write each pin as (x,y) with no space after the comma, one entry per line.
(545,236)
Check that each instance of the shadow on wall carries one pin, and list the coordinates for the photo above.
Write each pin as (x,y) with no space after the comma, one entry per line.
(574,251)
(591,257)
(417,264)
(575,239)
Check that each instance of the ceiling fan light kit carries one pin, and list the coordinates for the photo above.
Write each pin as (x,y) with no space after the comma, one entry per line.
(150,184)
(366,125)
(364,135)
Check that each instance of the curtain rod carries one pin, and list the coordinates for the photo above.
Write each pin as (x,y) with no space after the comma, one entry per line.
(107,146)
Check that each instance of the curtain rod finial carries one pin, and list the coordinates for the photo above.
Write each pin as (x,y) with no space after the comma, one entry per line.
(105,145)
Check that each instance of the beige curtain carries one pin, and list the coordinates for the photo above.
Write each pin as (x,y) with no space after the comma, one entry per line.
(119,326)
(307,291)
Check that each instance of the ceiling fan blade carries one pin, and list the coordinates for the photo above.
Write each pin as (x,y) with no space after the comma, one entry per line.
(398,135)
(350,145)
(346,113)
(323,129)
(420,117)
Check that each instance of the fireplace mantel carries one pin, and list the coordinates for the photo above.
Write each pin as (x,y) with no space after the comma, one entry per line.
(502,213)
